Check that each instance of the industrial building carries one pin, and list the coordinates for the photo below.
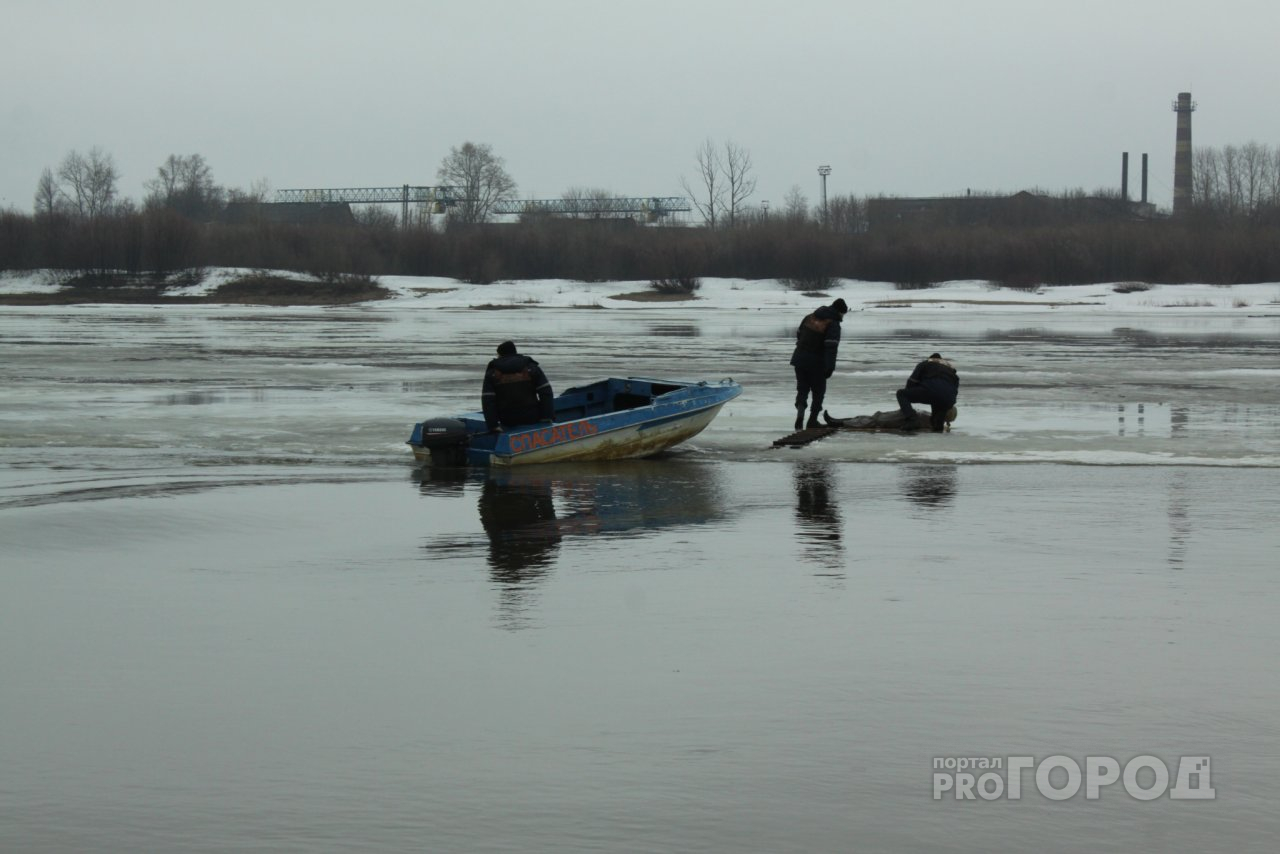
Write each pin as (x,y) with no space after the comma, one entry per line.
(1040,209)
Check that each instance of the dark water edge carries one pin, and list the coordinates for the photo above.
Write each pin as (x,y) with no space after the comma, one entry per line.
(668,655)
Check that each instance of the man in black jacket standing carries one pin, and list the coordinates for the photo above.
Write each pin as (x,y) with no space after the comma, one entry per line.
(935,382)
(516,391)
(814,359)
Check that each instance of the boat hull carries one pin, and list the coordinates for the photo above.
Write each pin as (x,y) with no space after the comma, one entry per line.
(677,411)
(622,443)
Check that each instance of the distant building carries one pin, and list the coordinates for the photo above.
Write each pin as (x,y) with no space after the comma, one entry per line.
(288,213)
(1020,209)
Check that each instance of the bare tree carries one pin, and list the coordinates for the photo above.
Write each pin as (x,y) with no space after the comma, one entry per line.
(481,177)
(724,183)
(739,183)
(89,181)
(1273,177)
(74,174)
(1237,181)
(1231,172)
(256,194)
(846,214)
(376,217)
(589,203)
(48,196)
(185,184)
(709,198)
(1253,163)
(1206,183)
(795,205)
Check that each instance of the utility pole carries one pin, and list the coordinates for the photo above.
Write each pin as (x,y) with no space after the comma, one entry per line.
(824,171)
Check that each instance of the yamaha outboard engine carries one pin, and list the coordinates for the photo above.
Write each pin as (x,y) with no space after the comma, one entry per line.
(446,439)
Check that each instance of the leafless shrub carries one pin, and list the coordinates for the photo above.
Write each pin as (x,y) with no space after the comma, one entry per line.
(817,282)
(260,288)
(676,285)
(914,284)
(1015,283)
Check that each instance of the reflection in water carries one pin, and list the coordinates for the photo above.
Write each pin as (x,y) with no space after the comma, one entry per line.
(193,398)
(819,527)
(520,522)
(675,330)
(526,513)
(1141,422)
(443,480)
(929,486)
(1179,519)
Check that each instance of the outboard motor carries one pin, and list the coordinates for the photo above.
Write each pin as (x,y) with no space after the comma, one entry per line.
(446,439)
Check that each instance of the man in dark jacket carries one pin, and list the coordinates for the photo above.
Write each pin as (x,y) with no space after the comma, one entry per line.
(814,359)
(935,382)
(516,391)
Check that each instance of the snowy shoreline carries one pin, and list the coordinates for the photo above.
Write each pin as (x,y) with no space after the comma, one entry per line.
(410,292)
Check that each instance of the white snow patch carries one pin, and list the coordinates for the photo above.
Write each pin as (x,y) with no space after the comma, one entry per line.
(968,296)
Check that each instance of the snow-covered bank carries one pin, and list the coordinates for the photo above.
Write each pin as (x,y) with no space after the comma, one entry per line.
(763,294)
(771,294)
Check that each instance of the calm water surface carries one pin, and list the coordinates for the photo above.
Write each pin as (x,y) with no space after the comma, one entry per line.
(234,616)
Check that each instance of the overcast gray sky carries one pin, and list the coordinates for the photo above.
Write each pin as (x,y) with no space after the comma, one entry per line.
(903,97)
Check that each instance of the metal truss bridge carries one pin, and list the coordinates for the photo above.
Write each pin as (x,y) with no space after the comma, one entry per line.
(651,206)
(441,198)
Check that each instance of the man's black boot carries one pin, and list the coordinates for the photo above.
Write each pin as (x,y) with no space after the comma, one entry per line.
(799,417)
(813,417)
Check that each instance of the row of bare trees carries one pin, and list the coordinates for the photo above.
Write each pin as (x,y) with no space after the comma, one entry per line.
(153,242)
(81,224)
(1236,181)
(725,181)
(85,185)
(1229,182)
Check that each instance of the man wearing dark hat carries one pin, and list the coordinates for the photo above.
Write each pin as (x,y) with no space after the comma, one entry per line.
(516,391)
(814,359)
(935,382)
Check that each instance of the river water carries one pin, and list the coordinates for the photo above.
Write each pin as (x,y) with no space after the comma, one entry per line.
(235,616)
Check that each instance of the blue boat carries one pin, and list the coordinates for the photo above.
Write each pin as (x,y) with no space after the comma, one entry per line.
(613,419)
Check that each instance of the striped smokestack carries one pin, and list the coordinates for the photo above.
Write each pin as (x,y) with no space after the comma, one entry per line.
(1184,106)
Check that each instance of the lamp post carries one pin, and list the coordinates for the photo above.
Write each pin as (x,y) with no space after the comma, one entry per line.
(824,171)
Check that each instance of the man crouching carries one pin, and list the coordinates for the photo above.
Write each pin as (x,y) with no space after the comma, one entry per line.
(935,382)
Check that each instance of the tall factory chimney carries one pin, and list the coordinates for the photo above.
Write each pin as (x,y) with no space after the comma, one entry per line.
(1124,176)
(1144,178)
(1184,106)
